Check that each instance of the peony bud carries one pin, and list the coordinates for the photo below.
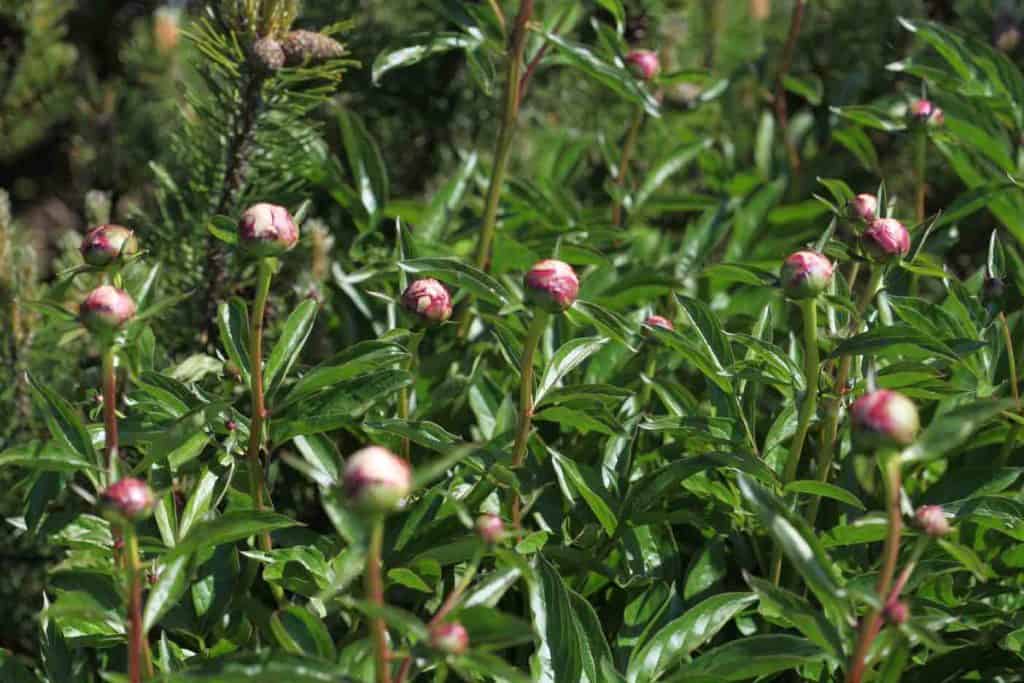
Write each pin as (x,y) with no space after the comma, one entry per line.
(805,275)
(644,64)
(376,480)
(659,321)
(884,418)
(896,612)
(267,230)
(932,520)
(925,112)
(301,47)
(106,309)
(127,500)
(428,300)
(107,244)
(449,637)
(552,285)
(266,55)
(490,528)
(863,207)
(886,239)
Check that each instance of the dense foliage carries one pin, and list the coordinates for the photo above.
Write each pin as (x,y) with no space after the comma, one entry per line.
(598,340)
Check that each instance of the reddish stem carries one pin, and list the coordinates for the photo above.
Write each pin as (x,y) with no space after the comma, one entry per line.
(780,90)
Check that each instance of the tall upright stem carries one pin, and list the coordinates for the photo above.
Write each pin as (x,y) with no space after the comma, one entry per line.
(405,395)
(809,309)
(375,593)
(259,410)
(781,113)
(870,625)
(110,446)
(627,153)
(533,335)
(830,428)
(920,166)
(139,662)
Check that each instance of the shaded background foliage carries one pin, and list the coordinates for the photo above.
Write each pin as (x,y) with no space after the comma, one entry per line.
(91,96)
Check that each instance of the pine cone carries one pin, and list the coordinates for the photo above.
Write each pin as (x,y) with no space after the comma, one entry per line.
(267,55)
(301,47)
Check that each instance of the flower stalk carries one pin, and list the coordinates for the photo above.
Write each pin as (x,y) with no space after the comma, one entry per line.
(375,594)
(627,153)
(110,443)
(140,665)
(405,395)
(533,334)
(265,271)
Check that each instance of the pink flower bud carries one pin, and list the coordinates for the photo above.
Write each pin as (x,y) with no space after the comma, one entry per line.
(932,520)
(805,275)
(490,528)
(107,244)
(884,418)
(863,207)
(1006,36)
(659,321)
(428,300)
(552,285)
(449,637)
(267,230)
(127,499)
(644,64)
(925,111)
(106,309)
(886,239)
(376,480)
(896,612)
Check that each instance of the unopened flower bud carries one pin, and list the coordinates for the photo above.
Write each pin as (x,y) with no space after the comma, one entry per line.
(926,112)
(896,612)
(107,244)
(644,64)
(805,274)
(490,528)
(863,207)
(992,290)
(884,418)
(932,520)
(552,285)
(266,55)
(659,321)
(376,480)
(267,230)
(128,499)
(428,300)
(886,239)
(106,309)
(449,637)
(301,47)
(1006,36)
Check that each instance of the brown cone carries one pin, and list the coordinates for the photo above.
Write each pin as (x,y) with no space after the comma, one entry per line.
(301,47)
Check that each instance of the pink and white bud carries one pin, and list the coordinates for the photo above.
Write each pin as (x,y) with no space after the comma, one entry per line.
(428,300)
(644,64)
(107,244)
(932,520)
(490,528)
(886,239)
(376,480)
(659,321)
(128,499)
(863,207)
(926,112)
(552,285)
(449,637)
(105,309)
(884,418)
(267,230)
(896,612)
(805,275)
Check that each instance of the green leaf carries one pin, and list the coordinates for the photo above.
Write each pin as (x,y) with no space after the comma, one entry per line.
(824,490)
(296,331)
(45,457)
(265,667)
(233,324)
(952,428)
(566,359)
(751,657)
(588,488)
(300,632)
(445,202)
(779,603)
(412,54)
(228,528)
(491,628)
(677,639)
(665,169)
(881,339)
(453,271)
(563,653)
(224,229)
(64,423)
(427,434)
(169,588)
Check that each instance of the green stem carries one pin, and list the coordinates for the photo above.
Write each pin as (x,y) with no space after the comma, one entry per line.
(110,411)
(533,334)
(645,392)
(375,594)
(627,153)
(908,569)
(139,662)
(809,308)
(920,164)
(870,625)
(259,410)
(830,427)
(1011,358)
